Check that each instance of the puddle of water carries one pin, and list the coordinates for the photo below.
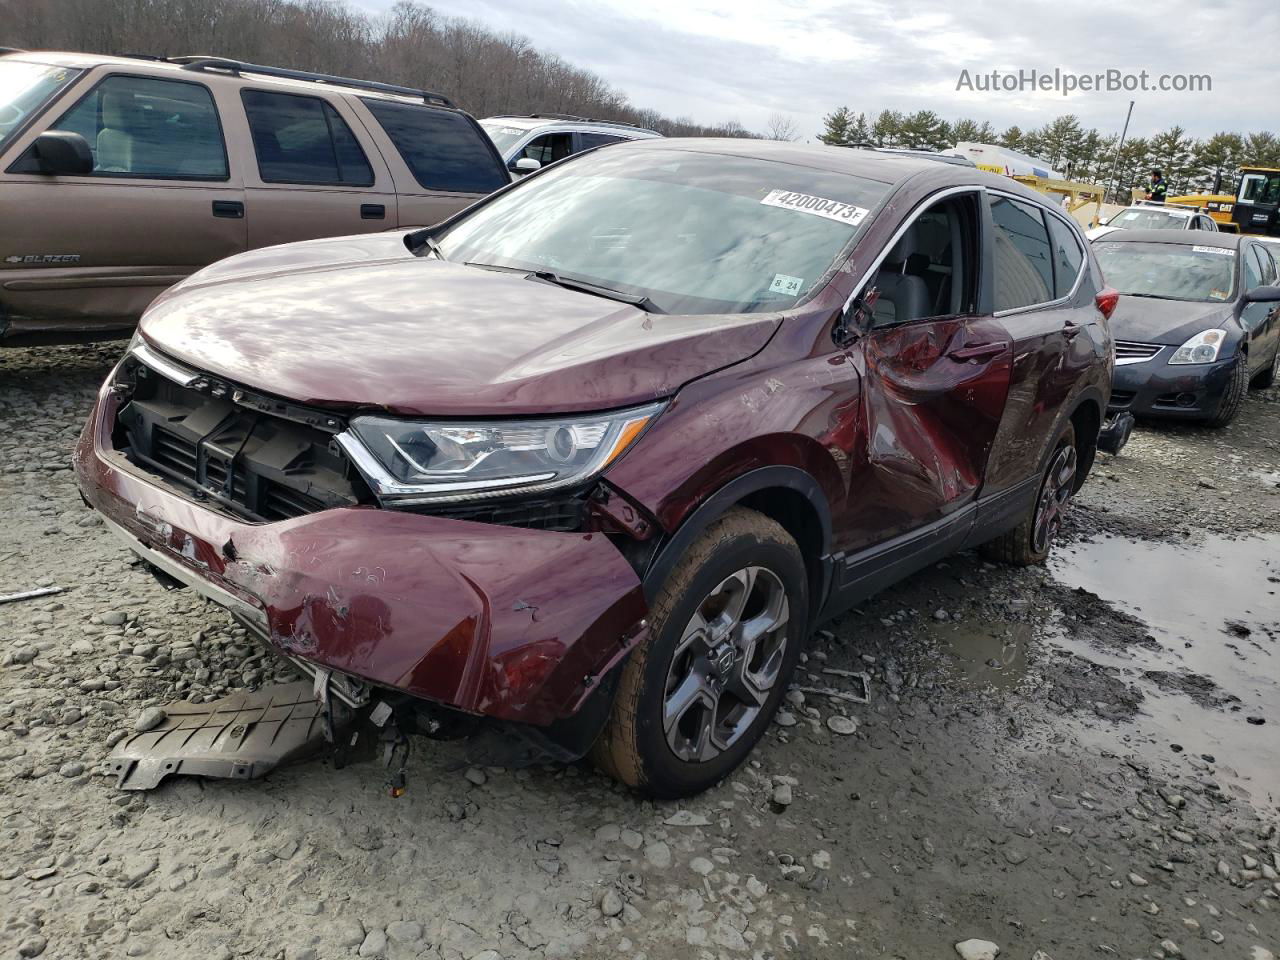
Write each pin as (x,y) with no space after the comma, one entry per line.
(1188,595)
(991,654)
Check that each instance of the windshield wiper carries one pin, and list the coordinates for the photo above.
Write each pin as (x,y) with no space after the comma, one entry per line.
(569,283)
(432,244)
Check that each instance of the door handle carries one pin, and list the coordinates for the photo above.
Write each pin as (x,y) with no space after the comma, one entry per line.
(372,211)
(1071,330)
(231,209)
(978,351)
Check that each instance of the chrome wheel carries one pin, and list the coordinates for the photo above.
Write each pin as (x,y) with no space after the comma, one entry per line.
(726,664)
(1055,493)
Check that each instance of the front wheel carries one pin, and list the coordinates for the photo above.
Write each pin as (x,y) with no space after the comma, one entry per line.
(724,636)
(1233,396)
(1029,542)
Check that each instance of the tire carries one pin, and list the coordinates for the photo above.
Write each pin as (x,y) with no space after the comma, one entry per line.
(1234,395)
(1030,541)
(657,736)
(1269,376)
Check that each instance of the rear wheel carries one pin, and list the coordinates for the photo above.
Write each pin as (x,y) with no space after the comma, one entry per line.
(724,636)
(1271,375)
(1029,542)
(1233,396)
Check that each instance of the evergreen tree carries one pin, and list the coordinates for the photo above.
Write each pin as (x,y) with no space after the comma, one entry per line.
(836,128)
(887,129)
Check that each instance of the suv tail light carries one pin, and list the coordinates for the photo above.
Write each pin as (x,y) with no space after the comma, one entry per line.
(1107,300)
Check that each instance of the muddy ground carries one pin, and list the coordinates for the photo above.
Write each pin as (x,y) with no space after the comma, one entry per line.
(1080,760)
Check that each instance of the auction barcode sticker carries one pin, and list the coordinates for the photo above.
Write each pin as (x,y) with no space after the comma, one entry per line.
(818,206)
(1221,251)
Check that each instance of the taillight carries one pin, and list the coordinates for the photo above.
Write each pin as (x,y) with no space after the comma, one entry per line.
(1107,301)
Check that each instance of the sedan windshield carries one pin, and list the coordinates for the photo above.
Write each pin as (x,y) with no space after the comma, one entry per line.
(1151,219)
(1169,271)
(682,232)
(24,88)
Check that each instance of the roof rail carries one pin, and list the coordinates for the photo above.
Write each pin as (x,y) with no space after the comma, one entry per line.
(570,116)
(223,65)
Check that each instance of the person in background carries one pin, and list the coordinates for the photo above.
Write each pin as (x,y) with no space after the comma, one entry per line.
(1157,191)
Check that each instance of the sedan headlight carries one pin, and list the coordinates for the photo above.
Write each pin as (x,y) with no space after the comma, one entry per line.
(1202,348)
(408,461)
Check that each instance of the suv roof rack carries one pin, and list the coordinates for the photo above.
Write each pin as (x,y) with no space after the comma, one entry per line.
(577,119)
(223,65)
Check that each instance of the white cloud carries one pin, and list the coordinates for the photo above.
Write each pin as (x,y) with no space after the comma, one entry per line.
(715,60)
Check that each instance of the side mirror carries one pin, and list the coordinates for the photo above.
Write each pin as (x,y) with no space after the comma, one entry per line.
(1104,221)
(59,153)
(524,165)
(1267,294)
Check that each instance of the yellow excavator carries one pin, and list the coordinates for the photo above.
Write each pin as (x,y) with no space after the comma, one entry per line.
(1252,210)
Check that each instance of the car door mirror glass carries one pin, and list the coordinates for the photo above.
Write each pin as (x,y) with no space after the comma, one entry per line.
(61,153)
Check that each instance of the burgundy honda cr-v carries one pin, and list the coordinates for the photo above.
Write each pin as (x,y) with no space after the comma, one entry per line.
(591,458)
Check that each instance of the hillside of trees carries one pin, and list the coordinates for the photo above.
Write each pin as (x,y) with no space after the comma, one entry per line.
(1189,165)
(482,70)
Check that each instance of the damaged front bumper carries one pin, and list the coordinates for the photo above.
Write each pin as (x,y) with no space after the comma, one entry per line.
(511,623)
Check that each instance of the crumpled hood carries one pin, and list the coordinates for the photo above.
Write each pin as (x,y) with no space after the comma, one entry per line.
(360,322)
(1145,320)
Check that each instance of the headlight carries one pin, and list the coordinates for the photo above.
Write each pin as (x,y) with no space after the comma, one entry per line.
(1202,348)
(412,462)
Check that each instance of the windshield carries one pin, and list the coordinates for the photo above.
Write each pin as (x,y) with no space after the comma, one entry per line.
(690,232)
(1151,219)
(1260,188)
(1169,270)
(503,137)
(25,88)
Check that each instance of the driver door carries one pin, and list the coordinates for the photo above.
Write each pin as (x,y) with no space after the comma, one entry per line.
(936,371)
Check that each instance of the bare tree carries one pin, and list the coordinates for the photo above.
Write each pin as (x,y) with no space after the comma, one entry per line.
(781,127)
(481,69)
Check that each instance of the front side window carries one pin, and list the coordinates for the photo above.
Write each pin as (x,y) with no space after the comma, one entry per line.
(931,270)
(692,232)
(444,149)
(144,127)
(26,87)
(1168,271)
(1023,267)
(1068,257)
(1268,265)
(1252,269)
(301,139)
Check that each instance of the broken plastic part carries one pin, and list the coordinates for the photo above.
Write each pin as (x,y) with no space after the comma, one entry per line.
(240,737)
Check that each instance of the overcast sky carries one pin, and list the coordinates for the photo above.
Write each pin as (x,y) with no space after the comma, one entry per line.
(716,60)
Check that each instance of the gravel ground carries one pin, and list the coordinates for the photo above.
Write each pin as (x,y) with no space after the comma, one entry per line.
(1076,760)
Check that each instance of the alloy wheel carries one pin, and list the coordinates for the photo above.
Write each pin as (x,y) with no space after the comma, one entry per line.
(1057,489)
(726,664)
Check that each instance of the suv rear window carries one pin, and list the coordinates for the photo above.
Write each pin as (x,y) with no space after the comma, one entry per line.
(301,139)
(445,150)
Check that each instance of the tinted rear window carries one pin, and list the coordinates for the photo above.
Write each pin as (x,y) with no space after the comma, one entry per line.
(300,139)
(445,150)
